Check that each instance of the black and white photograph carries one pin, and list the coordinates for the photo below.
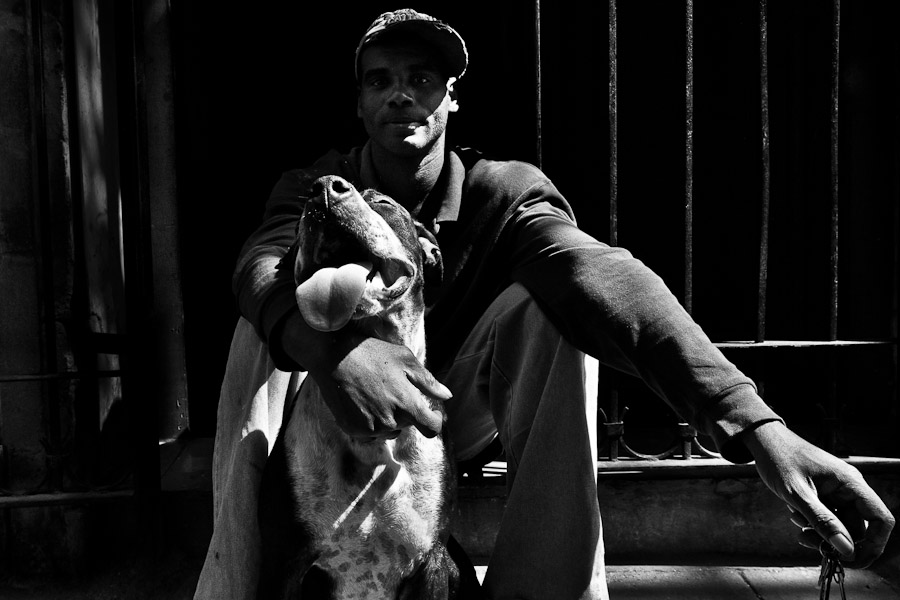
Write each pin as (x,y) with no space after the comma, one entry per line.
(449,300)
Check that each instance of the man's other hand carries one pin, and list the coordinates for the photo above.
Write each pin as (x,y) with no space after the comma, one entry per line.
(828,498)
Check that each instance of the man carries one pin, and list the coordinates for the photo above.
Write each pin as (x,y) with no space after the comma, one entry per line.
(525,296)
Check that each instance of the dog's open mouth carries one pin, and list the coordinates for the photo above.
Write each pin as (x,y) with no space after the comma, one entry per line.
(392,276)
(387,276)
(341,280)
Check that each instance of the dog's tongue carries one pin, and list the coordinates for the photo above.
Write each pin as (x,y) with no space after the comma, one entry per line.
(328,299)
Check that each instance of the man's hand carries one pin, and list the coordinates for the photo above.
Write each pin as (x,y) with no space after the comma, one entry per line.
(828,498)
(373,388)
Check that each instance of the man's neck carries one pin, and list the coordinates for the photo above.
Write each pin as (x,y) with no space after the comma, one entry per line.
(408,180)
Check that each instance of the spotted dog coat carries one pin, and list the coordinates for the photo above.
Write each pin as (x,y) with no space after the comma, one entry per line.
(345,519)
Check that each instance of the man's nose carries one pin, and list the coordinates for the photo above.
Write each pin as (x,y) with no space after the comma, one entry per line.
(400,95)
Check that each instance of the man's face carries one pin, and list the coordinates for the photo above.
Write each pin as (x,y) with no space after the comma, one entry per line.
(404,99)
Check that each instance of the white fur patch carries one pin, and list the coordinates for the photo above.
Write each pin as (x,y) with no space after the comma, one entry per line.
(375,528)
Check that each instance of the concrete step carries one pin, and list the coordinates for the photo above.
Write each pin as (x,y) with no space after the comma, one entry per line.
(676,510)
(671,582)
(169,581)
(699,512)
(676,531)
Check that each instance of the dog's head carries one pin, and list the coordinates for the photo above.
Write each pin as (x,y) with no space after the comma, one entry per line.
(360,257)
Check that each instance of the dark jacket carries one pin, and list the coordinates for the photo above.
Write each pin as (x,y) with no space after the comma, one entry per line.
(499,222)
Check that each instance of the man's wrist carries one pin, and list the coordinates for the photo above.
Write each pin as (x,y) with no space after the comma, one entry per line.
(284,348)
(760,437)
(310,349)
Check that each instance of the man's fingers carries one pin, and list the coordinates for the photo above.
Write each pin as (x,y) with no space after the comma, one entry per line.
(827,525)
(427,384)
(867,516)
(873,544)
(868,520)
(798,519)
(429,422)
(880,523)
(811,538)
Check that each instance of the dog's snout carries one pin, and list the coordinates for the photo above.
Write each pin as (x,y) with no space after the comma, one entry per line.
(331,190)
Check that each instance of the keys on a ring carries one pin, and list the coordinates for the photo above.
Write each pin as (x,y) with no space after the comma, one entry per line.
(832,571)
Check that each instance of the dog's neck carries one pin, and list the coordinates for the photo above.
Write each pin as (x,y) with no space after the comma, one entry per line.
(398,328)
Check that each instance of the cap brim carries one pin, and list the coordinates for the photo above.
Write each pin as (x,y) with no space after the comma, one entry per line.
(445,39)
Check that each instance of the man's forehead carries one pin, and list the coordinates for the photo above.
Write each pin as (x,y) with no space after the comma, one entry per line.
(408,56)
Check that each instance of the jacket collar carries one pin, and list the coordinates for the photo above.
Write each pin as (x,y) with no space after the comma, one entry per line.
(444,200)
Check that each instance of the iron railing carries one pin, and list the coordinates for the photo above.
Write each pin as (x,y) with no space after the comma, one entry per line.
(612,419)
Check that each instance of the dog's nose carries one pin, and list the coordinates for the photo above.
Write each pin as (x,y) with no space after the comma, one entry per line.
(331,190)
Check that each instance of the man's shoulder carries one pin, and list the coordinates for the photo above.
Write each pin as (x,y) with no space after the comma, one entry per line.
(509,175)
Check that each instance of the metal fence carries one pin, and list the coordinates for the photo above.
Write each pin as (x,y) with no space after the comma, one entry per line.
(832,408)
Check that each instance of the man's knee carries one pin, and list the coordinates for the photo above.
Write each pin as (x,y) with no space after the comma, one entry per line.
(522,325)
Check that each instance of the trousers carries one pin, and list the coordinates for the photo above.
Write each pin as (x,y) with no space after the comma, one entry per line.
(514,377)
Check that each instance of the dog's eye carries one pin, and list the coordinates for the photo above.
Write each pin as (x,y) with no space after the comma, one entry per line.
(376,198)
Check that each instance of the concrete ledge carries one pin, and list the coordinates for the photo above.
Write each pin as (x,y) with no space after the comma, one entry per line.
(674,511)
(680,512)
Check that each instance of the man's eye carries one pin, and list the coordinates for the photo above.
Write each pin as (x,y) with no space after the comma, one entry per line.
(421,79)
(376,82)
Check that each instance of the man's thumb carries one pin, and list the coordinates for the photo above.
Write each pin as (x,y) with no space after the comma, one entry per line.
(829,527)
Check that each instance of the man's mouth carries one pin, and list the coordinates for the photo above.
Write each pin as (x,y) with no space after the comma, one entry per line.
(405,122)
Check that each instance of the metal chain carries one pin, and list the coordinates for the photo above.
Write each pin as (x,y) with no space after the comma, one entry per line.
(832,571)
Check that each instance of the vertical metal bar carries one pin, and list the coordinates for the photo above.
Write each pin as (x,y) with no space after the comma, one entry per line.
(613,128)
(895,288)
(689,159)
(894,188)
(139,357)
(612,391)
(539,100)
(835,73)
(832,408)
(44,218)
(762,288)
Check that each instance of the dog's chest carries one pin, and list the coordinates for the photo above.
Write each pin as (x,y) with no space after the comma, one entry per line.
(373,511)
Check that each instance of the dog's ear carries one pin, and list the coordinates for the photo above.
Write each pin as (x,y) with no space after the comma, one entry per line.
(432,263)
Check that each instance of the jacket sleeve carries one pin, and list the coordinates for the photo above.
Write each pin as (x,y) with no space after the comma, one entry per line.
(613,307)
(265,293)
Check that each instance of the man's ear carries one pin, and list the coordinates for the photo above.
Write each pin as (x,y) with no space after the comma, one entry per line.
(432,263)
(454,97)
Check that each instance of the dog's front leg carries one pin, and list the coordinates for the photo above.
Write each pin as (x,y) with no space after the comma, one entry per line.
(288,555)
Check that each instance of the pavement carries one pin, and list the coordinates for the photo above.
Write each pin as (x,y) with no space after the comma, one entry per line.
(738,583)
(626,582)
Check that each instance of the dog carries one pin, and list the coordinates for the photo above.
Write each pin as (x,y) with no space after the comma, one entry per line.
(342,518)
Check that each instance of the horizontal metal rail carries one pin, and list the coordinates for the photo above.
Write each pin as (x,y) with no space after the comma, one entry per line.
(806,344)
(494,473)
(59,376)
(62,498)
